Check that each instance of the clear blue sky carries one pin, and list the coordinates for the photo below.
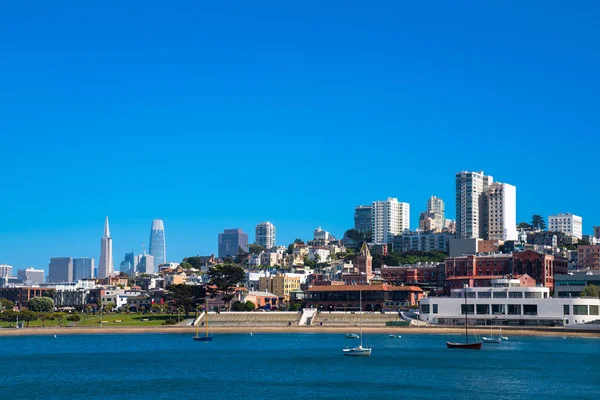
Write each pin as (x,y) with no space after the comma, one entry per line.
(214,116)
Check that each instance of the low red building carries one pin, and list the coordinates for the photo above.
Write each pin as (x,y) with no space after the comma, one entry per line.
(374,297)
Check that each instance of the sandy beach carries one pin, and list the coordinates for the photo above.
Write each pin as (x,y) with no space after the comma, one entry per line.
(293,329)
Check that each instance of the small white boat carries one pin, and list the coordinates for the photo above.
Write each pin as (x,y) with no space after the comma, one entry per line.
(491,339)
(503,337)
(360,350)
(395,336)
(352,336)
(357,351)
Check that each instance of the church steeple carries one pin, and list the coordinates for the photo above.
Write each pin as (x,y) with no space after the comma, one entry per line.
(364,261)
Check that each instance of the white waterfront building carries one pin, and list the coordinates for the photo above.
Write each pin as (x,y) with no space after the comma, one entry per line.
(508,303)
(566,223)
(390,218)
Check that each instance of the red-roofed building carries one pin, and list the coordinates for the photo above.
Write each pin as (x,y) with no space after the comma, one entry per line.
(374,297)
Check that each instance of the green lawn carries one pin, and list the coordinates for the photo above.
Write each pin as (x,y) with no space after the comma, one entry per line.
(133,319)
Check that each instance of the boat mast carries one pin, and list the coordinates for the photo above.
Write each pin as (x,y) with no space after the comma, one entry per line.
(360,315)
(466,319)
(206,311)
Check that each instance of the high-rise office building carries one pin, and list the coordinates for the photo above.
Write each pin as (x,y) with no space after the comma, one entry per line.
(31,276)
(83,268)
(60,269)
(5,270)
(501,201)
(390,218)
(363,218)
(566,223)
(471,209)
(230,241)
(128,265)
(158,247)
(146,264)
(265,235)
(105,267)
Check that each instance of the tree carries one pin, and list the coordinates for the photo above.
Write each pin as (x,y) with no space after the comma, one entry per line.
(125,308)
(28,316)
(290,248)
(186,265)
(255,249)
(238,306)
(59,316)
(185,296)
(44,317)
(298,241)
(590,291)
(537,222)
(354,235)
(6,304)
(9,316)
(155,308)
(40,304)
(225,277)
(109,307)
(195,261)
(524,225)
(249,306)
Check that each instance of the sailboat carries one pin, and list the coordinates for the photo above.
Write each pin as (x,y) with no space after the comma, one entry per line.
(466,345)
(492,339)
(206,337)
(503,337)
(360,350)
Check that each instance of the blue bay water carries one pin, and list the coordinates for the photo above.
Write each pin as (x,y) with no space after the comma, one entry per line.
(294,366)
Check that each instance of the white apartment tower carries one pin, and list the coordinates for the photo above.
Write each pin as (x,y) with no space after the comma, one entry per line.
(105,267)
(566,223)
(471,210)
(436,210)
(265,235)
(501,201)
(390,218)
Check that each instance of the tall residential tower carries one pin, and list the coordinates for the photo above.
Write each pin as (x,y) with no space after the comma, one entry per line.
(471,214)
(158,247)
(265,235)
(390,218)
(105,266)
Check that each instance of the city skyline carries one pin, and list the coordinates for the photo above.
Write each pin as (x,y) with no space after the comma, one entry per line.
(359,95)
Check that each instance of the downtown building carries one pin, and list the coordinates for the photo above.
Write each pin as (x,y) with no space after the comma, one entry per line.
(265,235)
(31,276)
(434,219)
(158,247)
(60,270)
(83,268)
(5,270)
(105,267)
(390,218)
(230,241)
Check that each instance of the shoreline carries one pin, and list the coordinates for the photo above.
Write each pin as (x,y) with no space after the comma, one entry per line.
(542,332)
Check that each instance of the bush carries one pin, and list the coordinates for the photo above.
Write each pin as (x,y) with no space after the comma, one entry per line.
(170,321)
(74,318)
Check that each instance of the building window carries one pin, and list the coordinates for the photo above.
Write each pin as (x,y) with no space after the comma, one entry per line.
(515,295)
(533,295)
(484,295)
(500,295)
(425,308)
(514,309)
(469,307)
(594,310)
(580,310)
(530,309)
(483,309)
(435,309)
(565,309)
(498,309)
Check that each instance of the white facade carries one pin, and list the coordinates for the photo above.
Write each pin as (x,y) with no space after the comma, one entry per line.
(502,211)
(507,303)
(566,223)
(436,206)
(106,267)
(265,235)
(471,215)
(390,218)
(323,254)
(321,235)
(5,270)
